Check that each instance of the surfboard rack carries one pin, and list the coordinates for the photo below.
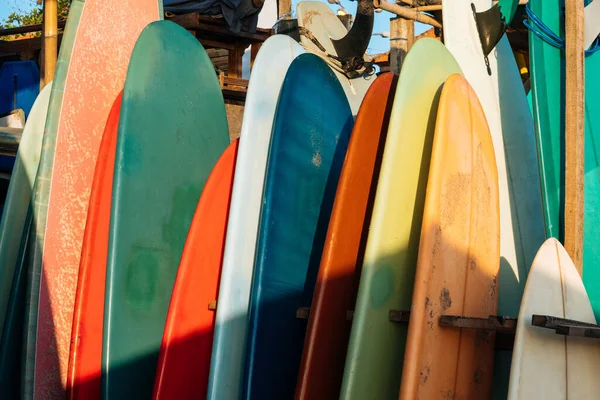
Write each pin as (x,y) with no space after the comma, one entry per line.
(566,327)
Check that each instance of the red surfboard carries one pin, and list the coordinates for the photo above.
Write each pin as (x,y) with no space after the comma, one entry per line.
(84,373)
(184,360)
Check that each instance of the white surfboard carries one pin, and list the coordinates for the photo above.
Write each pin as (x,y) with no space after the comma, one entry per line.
(546,365)
(505,104)
(270,68)
(19,195)
(592,23)
(318,18)
(503,99)
(16,119)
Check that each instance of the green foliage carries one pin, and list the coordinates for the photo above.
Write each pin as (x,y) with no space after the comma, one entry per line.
(34,16)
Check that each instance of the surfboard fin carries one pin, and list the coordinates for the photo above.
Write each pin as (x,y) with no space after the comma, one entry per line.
(355,43)
(492,23)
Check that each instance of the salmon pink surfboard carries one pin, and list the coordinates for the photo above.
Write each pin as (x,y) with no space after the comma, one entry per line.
(184,360)
(85,360)
(95,52)
(326,341)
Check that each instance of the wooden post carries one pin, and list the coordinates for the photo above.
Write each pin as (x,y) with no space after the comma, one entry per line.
(50,46)
(402,37)
(574,131)
(234,67)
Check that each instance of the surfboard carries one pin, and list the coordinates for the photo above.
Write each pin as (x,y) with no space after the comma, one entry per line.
(546,365)
(14,226)
(322,366)
(504,102)
(90,73)
(318,18)
(18,196)
(184,360)
(19,86)
(592,23)
(11,343)
(85,359)
(268,72)
(172,111)
(308,146)
(374,361)
(459,256)
(15,119)
(547,85)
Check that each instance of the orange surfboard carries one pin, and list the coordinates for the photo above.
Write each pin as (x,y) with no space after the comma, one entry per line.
(84,374)
(184,360)
(322,367)
(459,256)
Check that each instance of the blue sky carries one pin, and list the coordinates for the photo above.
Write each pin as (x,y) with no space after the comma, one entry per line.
(377,45)
(8,6)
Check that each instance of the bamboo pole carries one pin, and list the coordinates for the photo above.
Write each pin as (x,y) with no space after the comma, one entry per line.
(406,12)
(402,37)
(50,46)
(574,130)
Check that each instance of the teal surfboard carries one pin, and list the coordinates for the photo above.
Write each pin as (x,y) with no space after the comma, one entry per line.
(547,85)
(311,130)
(172,130)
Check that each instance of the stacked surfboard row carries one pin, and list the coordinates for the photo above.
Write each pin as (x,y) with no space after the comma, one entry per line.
(143,255)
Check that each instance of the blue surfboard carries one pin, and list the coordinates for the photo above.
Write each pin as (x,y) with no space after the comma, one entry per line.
(312,126)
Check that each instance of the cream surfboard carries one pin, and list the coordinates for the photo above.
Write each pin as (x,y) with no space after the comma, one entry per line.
(270,68)
(18,196)
(505,105)
(546,365)
(320,20)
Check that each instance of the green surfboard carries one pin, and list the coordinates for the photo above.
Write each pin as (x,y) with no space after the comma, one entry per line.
(547,85)
(172,130)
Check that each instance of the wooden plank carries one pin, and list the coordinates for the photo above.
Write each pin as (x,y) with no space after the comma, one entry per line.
(27,29)
(492,323)
(28,46)
(216,44)
(227,80)
(574,131)
(578,331)
(549,322)
(215,26)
